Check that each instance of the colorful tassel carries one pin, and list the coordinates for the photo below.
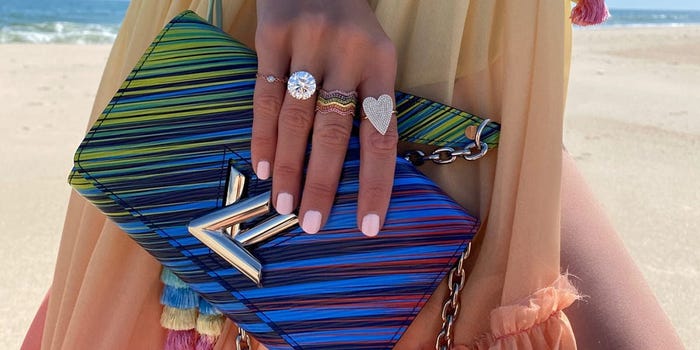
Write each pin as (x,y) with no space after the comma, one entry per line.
(181,340)
(178,319)
(192,322)
(206,342)
(589,12)
(169,279)
(210,325)
(181,298)
(207,309)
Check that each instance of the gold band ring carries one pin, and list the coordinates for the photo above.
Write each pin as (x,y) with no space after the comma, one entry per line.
(271,78)
(337,101)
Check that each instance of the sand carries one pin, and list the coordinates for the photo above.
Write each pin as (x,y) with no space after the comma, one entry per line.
(632,124)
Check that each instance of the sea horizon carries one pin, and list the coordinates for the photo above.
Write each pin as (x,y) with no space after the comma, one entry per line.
(98,21)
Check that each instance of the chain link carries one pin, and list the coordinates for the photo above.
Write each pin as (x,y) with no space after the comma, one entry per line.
(242,340)
(450,308)
(446,155)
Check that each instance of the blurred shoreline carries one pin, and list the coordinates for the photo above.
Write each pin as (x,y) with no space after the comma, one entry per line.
(632,123)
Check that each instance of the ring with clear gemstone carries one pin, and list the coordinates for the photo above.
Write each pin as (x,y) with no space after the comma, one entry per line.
(271,78)
(301,85)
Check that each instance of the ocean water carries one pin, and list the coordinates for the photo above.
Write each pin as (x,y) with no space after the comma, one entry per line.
(97,21)
(650,18)
(61,21)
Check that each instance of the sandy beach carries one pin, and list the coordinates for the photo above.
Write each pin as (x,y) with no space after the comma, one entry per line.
(632,124)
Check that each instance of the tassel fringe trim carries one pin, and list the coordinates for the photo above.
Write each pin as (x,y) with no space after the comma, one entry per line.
(205,342)
(210,325)
(589,12)
(181,298)
(207,309)
(192,322)
(180,340)
(169,279)
(178,319)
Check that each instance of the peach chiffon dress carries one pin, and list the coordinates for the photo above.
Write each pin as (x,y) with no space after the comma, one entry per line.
(503,59)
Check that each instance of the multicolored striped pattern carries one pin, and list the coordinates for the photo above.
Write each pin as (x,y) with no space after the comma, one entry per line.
(158,157)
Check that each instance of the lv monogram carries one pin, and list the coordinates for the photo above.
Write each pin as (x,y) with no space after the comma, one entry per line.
(220,230)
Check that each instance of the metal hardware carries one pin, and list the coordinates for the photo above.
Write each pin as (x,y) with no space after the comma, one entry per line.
(446,155)
(450,308)
(210,228)
(236,184)
(267,229)
(242,340)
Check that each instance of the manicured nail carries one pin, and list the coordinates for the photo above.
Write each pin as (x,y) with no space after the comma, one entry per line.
(311,222)
(263,170)
(285,203)
(370,225)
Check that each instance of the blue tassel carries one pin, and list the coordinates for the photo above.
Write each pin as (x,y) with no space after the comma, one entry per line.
(169,279)
(180,298)
(207,309)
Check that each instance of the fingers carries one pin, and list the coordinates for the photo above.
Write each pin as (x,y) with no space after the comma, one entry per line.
(332,127)
(377,150)
(294,125)
(267,102)
(352,54)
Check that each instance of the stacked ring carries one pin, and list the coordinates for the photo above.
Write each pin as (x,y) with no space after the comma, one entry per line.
(271,78)
(336,101)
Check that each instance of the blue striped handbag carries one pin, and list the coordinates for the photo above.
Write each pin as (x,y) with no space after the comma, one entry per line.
(168,160)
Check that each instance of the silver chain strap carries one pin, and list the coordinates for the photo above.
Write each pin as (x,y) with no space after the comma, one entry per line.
(456,277)
(450,308)
(446,155)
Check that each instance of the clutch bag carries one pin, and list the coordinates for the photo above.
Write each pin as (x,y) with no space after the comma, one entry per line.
(170,155)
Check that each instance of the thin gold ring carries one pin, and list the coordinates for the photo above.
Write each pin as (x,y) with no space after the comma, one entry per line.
(271,78)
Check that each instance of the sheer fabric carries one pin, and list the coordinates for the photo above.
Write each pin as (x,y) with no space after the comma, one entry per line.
(502,59)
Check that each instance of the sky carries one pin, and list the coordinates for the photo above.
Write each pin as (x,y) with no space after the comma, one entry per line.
(654,4)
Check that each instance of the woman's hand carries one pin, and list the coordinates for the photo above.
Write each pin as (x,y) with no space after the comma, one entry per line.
(343,46)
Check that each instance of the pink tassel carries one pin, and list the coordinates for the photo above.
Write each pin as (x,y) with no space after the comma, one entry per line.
(180,340)
(206,342)
(589,12)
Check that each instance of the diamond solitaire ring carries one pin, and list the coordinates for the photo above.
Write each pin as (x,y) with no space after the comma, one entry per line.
(301,85)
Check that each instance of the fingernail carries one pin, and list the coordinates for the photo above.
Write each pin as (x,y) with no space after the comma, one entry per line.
(263,170)
(285,203)
(311,222)
(370,225)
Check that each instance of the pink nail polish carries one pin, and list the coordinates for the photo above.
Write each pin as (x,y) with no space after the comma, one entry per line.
(263,170)
(370,225)
(285,203)
(311,222)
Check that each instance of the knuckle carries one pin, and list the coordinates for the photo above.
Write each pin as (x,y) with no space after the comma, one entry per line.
(270,34)
(266,105)
(354,34)
(333,136)
(383,145)
(314,22)
(294,118)
(376,190)
(319,190)
(286,171)
(262,143)
(385,50)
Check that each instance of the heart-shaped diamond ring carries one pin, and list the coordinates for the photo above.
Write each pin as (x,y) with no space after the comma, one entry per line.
(379,111)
